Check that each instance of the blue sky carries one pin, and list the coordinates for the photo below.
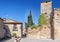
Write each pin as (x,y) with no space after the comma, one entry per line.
(19,9)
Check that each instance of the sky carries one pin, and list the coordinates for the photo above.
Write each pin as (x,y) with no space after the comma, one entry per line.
(19,9)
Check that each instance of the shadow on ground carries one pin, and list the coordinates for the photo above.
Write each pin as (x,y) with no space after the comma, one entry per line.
(3,40)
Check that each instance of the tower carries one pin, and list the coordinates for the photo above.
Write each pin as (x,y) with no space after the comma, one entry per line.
(46,9)
(57,22)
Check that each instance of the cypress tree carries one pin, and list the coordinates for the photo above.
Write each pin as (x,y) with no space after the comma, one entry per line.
(30,21)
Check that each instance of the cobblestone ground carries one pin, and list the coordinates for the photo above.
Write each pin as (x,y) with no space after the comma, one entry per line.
(31,40)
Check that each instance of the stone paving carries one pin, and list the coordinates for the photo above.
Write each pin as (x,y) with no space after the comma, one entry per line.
(31,40)
(38,40)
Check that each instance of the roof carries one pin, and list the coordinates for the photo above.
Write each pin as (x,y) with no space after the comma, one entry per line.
(1,19)
(12,22)
(8,20)
(57,9)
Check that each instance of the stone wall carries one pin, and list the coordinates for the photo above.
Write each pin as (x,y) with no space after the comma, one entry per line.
(2,31)
(45,32)
(57,23)
(42,32)
(33,34)
(11,27)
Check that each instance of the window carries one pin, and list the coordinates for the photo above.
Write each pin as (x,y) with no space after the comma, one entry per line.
(15,27)
(44,27)
(57,14)
(46,1)
(45,13)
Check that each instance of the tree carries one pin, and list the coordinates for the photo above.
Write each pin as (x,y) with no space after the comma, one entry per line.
(14,35)
(26,26)
(42,20)
(30,21)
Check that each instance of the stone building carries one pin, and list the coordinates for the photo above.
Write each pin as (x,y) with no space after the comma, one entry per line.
(14,27)
(46,9)
(57,18)
(2,31)
(53,19)
(11,27)
(57,23)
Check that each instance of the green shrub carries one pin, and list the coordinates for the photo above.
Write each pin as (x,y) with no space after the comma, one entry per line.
(14,35)
(42,20)
(33,27)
